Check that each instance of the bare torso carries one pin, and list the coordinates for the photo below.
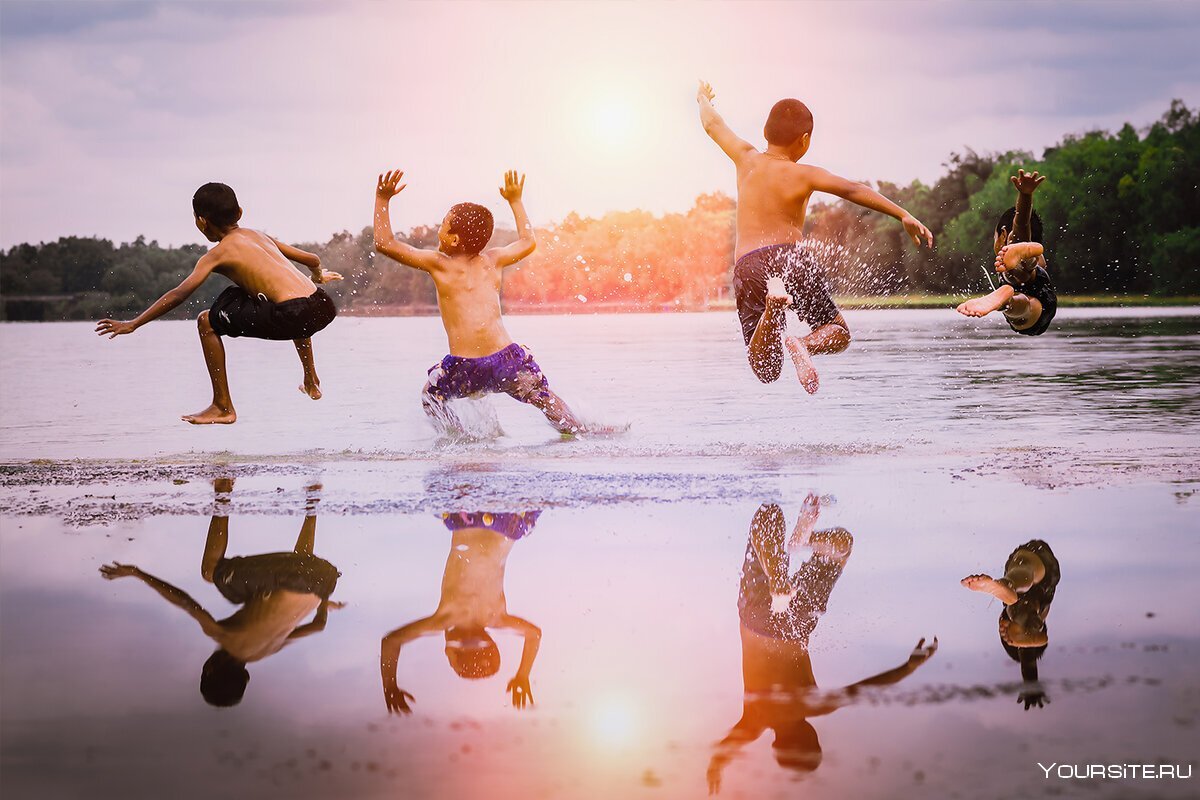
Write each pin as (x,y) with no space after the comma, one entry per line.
(468,291)
(473,584)
(262,626)
(252,261)
(772,200)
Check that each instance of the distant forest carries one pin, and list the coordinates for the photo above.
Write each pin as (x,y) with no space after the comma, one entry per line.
(1121,213)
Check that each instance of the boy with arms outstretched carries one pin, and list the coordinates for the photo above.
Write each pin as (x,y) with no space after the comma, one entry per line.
(271,299)
(1026,295)
(773,270)
(483,358)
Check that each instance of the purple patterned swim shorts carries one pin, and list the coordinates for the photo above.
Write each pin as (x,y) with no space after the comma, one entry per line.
(511,371)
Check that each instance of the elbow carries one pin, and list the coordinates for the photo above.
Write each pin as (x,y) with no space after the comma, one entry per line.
(530,244)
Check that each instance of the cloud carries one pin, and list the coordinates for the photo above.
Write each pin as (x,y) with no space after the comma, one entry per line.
(129,106)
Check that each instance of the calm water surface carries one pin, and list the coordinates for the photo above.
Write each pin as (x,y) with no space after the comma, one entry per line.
(625,584)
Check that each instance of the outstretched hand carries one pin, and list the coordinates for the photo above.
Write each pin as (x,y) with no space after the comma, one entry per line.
(513,186)
(705,92)
(922,652)
(916,230)
(1027,182)
(1031,697)
(112,328)
(114,570)
(521,693)
(326,276)
(397,700)
(389,184)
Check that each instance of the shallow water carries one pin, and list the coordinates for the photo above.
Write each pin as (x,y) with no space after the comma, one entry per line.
(1099,380)
(938,445)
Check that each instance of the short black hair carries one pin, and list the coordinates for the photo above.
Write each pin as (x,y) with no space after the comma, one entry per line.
(223,679)
(473,224)
(788,121)
(1009,217)
(216,203)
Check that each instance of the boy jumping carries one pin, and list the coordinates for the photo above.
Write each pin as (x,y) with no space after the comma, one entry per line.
(1026,295)
(774,270)
(483,358)
(271,300)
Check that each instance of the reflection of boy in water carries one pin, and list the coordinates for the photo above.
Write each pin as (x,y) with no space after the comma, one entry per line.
(275,591)
(1031,576)
(472,601)
(778,613)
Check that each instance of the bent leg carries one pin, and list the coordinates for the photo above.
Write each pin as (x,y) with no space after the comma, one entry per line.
(982,306)
(438,410)
(221,411)
(765,350)
(556,410)
(312,384)
(832,337)
(1023,311)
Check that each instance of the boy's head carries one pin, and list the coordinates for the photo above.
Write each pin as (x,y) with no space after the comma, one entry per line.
(796,746)
(466,229)
(216,209)
(1004,227)
(223,679)
(790,126)
(472,652)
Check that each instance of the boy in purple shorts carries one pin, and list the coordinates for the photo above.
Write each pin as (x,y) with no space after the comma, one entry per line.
(483,358)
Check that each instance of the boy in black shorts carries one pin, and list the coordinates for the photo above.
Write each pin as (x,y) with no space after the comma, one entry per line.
(276,592)
(773,194)
(1025,295)
(272,299)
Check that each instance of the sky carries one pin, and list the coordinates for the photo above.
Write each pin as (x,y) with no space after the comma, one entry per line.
(112,113)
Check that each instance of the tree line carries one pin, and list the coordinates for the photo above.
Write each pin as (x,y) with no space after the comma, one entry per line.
(1121,213)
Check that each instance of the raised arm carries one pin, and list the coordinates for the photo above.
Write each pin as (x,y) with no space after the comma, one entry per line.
(920,654)
(385,239)
(525,244)
(1026,184)
(734,146)
(823,180)
(532,635)
(389,659)
(176,597)
(113,328)
(306,259)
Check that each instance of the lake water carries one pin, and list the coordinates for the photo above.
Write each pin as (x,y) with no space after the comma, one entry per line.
(937,445)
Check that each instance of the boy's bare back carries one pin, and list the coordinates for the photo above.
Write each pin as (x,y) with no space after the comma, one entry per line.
(257,263)
(773,190)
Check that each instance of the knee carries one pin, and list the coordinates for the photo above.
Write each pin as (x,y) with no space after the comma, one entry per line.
(529,388)
(203,324)
(766,373)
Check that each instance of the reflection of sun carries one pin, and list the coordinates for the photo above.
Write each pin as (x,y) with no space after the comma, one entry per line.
(613,720)
(611,120)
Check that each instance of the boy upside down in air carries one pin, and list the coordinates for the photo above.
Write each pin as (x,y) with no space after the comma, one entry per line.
(1026,295)
(483,358)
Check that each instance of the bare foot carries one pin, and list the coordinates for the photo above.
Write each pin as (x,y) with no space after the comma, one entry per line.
(979,307)
(805,370)
(212,415)
(989,585)
(777,296)
(311,388)
(1011,256)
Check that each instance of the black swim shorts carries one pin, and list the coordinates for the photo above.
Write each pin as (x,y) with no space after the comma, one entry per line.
(803,277)
(241,578)
(1041,290)
(238,313)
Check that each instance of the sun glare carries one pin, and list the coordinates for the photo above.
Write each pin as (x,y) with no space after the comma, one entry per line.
(613,721)
(611,121)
